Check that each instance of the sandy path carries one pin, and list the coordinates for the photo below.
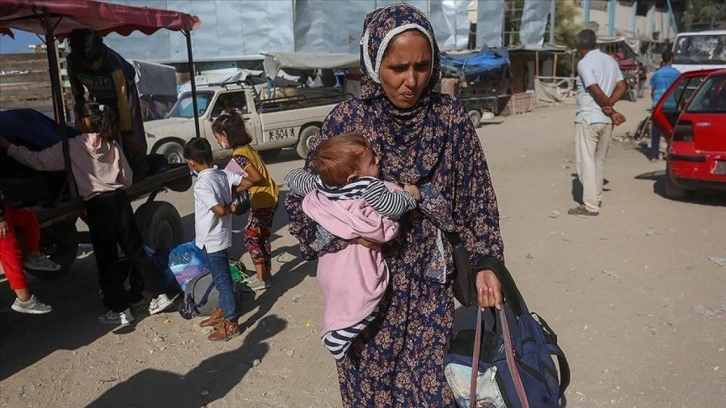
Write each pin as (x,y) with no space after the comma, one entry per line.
(622,290)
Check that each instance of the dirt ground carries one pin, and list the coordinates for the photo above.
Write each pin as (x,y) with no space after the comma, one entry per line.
(638,306)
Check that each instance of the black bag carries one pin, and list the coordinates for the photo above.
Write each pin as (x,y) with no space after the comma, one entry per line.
(515,350)
(201,297)
(242,202)
(463,282)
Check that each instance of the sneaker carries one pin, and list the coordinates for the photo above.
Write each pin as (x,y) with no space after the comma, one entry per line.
(40,263)
(161,303)
(581,210)
(31,306)
(254,284)
(112,317)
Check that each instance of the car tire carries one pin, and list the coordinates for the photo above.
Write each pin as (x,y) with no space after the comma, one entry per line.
(475,117)
(672,191)
(160,225)
(60,243)
(173,151)
(307,135)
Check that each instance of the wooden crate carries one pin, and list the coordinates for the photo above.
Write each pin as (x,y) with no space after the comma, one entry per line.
(520,103)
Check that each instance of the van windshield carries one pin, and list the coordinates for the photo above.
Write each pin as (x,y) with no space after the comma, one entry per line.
(184,108)
(700,49)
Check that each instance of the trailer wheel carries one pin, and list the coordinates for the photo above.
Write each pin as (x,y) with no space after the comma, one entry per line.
(173,151)
(160,225)
(307,136)
(60,243)
(475,117)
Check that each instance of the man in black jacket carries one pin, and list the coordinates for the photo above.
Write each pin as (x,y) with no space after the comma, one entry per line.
(110,80)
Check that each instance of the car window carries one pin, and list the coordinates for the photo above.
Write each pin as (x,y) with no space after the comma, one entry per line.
(184,108)
(710,97)
(229,99)
(678,98)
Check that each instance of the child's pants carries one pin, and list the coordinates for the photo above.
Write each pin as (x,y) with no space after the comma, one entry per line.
(11,255)
(111,222)
(257,235)
(222,278)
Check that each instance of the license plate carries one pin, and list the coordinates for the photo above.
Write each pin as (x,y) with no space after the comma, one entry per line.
(281,134)
(720,168)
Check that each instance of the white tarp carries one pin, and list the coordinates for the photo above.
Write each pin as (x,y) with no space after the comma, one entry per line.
(534,21)
(154,79)
(488,32)
(229,30)
(450,19)
(274,62)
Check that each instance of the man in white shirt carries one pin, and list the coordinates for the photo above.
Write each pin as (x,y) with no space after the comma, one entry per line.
(599,85)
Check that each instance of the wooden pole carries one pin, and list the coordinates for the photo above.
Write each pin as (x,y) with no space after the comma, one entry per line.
(536,63)
(554,66)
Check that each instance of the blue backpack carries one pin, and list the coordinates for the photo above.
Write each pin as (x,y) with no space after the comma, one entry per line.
(534,346)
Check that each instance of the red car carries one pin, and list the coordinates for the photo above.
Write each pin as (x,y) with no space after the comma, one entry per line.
(692,116)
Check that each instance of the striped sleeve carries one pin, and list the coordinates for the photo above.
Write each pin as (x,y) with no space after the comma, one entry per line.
(388,203)
(300,182)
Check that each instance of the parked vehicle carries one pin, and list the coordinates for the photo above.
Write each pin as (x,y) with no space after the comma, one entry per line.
(159,222)
(485,79)
(692,116)
(693,51)
(277,117)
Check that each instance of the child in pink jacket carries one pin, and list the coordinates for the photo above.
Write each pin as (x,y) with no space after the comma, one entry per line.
(348,200)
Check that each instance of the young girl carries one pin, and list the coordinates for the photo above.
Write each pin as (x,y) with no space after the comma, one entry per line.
(349,201)
(102,175)
(11,256)
(229,129)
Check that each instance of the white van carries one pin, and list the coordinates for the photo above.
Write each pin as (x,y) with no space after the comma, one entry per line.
(699,50)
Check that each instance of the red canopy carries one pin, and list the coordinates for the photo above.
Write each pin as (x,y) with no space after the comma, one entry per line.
(66,15)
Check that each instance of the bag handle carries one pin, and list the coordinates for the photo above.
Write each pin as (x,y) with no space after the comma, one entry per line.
(509,351)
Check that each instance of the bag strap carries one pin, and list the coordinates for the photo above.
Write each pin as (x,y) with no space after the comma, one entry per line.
(509,351)
(205,297)
(475,361)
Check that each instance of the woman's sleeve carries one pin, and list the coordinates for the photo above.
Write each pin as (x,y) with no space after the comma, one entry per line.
(49,159)
(475,203)
(301,226)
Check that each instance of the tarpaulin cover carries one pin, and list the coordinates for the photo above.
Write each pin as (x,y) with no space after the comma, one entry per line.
(453,65)
(274,62)
(67,15)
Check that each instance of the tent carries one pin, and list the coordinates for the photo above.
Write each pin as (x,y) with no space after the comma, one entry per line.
(274,62)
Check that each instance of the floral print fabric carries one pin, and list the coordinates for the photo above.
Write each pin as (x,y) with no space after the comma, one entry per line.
(398,359)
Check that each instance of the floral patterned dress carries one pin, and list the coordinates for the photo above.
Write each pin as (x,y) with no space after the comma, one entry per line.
(398,360)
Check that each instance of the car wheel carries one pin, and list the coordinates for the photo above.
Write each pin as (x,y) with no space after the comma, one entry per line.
(173,151)
(160,225)
(306,138)
(672,191)
(475,117)
(60,243)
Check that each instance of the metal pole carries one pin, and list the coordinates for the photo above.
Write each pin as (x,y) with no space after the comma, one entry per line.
(633,17)
(188,34)
(58,108)
(553,10)
(586,7)
(673,17)
(611,17)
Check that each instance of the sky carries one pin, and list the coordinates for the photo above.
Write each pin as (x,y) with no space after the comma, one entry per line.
(20,44)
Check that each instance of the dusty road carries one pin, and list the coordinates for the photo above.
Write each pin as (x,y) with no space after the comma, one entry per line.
(638,306)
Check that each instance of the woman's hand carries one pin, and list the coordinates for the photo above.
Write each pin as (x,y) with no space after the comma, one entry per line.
(488,289)
(366,243)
